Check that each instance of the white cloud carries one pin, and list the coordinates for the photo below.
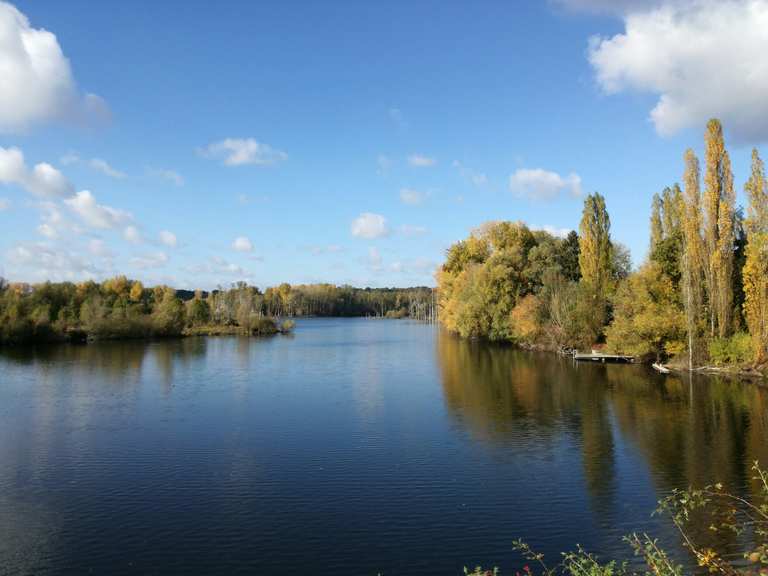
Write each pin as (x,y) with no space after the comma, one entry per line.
(96,215)
(369,225)
(702,58)
(41,261)
(412,197)
(98,247)
(539,184)
(103,167)
(554,230)
(153,260)
(169,175)
(218,266)
(133,235)
(240,151)
(411,230)
(42,180)
(421,161)
(4,204)
(37,81)
(610,6)
(168,238)
(242,244)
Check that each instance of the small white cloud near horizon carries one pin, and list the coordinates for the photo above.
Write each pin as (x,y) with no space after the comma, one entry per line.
(38,85)
(540,184)
(369,225)
(242,151)
(553,230)
(103,166)
(672,50)
(421,161)
(168,238)
(153,260)
(42,180)
(242,244)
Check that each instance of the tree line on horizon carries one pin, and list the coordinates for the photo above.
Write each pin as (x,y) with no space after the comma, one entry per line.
(700,296)
(124,308)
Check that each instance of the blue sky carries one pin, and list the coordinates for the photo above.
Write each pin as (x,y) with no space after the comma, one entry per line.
(348,142)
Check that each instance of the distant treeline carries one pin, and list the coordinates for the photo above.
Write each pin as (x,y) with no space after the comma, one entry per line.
(701,297)
(124,308)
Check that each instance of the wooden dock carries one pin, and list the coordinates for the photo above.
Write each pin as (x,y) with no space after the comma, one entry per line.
(603,358)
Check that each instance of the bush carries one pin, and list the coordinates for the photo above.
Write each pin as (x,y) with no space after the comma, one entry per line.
(734,350)
(287,326)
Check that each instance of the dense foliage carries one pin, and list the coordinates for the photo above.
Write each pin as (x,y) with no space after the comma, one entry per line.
(123,308)
(704,282)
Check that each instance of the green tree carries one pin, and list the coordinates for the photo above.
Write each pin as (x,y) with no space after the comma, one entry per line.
(596,256)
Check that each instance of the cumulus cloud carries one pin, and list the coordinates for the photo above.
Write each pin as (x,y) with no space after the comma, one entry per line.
(240,151)
(42,180)
(702,58)
(41,261)
(96,215)
(369,225)
(242,244)
(539,184)
(133,235)
(153,260)
(37,84)
(103,166)
(412,197)
(168,238)
(421,161)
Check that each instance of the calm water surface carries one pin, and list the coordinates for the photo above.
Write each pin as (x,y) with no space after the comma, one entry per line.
(351,447)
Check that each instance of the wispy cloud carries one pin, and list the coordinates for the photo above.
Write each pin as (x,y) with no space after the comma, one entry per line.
(241,151)
(102,166)
(539,184)
(421,161)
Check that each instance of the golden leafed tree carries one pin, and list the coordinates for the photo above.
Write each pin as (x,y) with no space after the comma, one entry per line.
(657,226)
(719,214)
(756,266)
(596,253)
(693,262)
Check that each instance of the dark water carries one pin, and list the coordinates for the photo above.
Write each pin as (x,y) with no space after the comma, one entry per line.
(353,447)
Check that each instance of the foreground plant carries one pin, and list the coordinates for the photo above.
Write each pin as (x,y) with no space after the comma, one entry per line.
(722,511)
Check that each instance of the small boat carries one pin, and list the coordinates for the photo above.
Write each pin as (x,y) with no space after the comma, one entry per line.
(660,368)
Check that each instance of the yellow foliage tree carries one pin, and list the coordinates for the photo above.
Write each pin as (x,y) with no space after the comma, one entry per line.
(756,267)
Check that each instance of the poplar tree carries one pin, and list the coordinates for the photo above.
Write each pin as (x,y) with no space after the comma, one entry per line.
(756,266)
(596,251)
(657,226)
(693,262)
(719,200)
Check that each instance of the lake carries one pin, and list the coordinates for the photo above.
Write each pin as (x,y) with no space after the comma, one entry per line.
(351,447)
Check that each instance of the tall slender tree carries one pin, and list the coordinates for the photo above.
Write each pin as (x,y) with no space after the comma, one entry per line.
(596,257)
(657,226)
(693,262)
(719,211)
(756,267)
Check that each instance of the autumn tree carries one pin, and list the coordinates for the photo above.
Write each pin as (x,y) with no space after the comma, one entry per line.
(657,226)
(719,211)
(693,261)
(755,276)
(596,256)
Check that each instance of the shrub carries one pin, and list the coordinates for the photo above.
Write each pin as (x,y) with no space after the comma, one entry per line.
(734,350)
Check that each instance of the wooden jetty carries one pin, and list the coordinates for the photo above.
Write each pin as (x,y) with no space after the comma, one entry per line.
(595,356)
